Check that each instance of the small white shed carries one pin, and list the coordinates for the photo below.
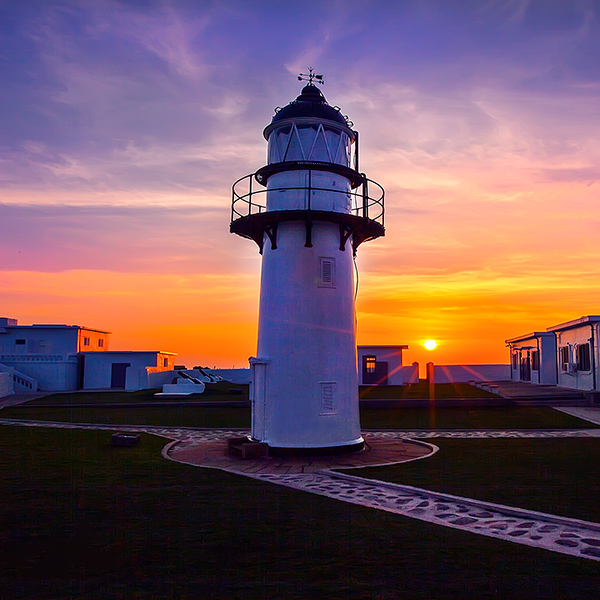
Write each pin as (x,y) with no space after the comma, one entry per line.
(533,358)
(128,370)
(382,365)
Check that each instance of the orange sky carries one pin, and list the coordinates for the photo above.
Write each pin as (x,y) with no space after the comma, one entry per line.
(117,160)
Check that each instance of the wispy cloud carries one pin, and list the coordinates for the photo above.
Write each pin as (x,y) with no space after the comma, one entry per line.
(125,124)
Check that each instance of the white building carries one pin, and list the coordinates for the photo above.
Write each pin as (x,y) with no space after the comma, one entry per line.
(382,365)
(46,357)
(533,358)
(62,358)
(125,370)
(577,357)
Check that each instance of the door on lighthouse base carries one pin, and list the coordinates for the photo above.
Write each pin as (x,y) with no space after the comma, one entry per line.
(258,389)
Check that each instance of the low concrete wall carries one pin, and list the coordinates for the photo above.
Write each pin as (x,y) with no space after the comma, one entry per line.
(232,375)
(51,375)
(465,373)
(6,384)
(409,374)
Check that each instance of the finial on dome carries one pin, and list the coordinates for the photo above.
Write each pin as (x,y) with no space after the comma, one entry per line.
(311,76)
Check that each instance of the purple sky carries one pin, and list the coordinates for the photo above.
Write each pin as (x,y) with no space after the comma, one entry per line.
(124,124)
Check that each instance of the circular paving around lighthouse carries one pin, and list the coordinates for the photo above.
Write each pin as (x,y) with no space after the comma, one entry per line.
(378,451)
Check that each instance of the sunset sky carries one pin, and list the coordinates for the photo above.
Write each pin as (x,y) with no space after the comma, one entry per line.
(124,124)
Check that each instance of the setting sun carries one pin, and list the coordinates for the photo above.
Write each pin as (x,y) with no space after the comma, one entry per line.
(430,344)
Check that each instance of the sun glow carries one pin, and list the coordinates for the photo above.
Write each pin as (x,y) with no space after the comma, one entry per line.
(430,344)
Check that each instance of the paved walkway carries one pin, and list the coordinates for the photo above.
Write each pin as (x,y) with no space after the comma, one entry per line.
(587,413)
(15,399)
(520,391)
(207,448)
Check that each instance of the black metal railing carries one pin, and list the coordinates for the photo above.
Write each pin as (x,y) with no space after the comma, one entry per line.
(248,200)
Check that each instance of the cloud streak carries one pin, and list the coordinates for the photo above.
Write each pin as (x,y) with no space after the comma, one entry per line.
(125,124)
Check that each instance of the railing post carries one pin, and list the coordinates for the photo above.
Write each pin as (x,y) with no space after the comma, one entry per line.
(309,187)
(250,195)
(365,206)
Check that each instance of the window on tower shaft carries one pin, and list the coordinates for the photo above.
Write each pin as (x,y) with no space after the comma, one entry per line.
(370,364)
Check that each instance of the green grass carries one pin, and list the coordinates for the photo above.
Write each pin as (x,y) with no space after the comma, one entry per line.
(371,418)
(83,520)
(213,391)
(494,417)
(422,390)
(559,476)
(169,416)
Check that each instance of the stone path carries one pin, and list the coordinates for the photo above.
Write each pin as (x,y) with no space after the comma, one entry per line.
(486,434)
(206,448)
(559,534)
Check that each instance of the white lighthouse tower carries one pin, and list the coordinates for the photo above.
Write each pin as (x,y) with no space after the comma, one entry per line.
(308,210)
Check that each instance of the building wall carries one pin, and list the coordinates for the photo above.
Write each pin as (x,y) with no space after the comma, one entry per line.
(98,368)
(50,339)
(570,374)
(465,373)
(93,341)
(40,341)
(6,384)
(522,353)
(232,375)
(47,353)
(388,365)
(53,373)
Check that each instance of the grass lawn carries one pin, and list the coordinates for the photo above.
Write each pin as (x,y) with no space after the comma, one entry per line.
(83,520)
(558,476)
(493,417)
(421,390)
(170,416)
(530,417)
(213,391)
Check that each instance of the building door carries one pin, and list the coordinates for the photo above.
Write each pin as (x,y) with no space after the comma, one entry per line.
(374,372)
(258,397)
(526,367)
(118,375)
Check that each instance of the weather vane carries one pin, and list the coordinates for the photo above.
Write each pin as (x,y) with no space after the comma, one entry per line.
(311,76)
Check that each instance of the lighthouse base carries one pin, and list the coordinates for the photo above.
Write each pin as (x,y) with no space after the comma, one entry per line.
(320,451)
(246,447)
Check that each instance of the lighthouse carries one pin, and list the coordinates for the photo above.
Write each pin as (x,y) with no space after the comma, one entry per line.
(308,210)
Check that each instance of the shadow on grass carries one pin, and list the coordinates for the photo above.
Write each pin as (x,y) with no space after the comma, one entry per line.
(84,520)
(559,476)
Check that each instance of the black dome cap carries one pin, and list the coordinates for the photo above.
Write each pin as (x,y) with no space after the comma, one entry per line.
(310,103)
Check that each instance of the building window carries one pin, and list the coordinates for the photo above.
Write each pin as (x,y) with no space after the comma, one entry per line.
(583,357)
(564,358)
(19,342)
(515,361)
(86,341)
(535,361)
(369,362)
(165,362)
(326,272)
(100,343)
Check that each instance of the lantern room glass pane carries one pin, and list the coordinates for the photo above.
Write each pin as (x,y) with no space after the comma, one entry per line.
(309,142)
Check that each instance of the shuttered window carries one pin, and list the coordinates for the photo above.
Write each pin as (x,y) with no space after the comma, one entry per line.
(327,272)
(328,398)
